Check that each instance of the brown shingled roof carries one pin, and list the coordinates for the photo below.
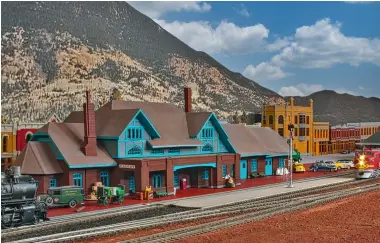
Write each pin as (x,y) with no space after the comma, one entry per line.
(273,142)
(38,159)
(169,120)
(68,137)
(255,140)
(243,141)
(195,121)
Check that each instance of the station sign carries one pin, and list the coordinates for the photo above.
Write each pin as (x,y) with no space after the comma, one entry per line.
(122,166)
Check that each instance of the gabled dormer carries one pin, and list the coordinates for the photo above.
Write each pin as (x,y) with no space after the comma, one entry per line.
(206,127)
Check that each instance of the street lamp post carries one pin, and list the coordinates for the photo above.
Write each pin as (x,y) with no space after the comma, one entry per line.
(290,128)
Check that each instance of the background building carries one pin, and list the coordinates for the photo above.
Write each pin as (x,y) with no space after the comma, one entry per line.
(278,116)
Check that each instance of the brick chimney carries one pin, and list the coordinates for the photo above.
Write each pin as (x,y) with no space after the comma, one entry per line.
(187,99)
(89,143)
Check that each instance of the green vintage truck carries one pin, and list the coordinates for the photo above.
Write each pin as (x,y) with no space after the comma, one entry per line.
(63,196)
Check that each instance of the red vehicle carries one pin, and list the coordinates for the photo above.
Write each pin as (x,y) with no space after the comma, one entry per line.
(367,164)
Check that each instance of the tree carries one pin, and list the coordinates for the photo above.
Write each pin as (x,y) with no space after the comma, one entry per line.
(236,118)
(116,95)
(244,118)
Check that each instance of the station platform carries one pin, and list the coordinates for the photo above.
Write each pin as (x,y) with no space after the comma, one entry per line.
(257,183)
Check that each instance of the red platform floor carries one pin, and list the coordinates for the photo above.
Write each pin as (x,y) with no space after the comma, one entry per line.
(189,192)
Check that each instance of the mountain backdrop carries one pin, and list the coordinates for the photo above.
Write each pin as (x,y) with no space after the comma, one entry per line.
(341,108)
(53,51)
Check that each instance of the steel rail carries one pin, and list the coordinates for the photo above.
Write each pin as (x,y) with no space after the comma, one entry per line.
(176,218)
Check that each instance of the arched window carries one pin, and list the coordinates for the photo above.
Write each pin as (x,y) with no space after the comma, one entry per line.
(281,119)
(5,143)
(28,137)
(207,148)
(104,178)
(135,151)
(78,179)
(270,120)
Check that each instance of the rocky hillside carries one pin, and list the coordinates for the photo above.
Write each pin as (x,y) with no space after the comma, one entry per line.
(342,108)
(53,51)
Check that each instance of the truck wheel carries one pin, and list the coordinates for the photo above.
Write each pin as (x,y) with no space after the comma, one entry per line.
(49,201)
(72,203)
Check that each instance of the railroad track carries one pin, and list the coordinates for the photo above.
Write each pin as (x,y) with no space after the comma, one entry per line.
(114,212)
(260,206)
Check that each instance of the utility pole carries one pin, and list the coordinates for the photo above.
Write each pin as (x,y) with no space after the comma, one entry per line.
(290,128)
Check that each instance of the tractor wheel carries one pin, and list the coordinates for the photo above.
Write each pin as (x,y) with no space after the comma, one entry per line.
(121,200)
(105,202)
(49,201)
(72,203)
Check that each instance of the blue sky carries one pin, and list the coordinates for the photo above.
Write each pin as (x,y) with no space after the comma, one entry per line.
(294,48)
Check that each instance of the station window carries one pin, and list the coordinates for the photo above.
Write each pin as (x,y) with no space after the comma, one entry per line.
(270,120)
(78,179)
(134,133)
(205,176)
(157,180)
(157,151)
(232,170)
(207,133)
(207,148)
(254,165)
(224,170)
(176,175)
(173,151)
(53,183)
(135,151)
(281,163)
(104,178)
(132,182)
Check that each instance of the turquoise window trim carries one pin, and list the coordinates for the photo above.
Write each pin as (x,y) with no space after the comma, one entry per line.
(224,170)
(135,150)
(176,178)
(104,178)
(175,146)
(178,167)
(53,183)
(253,165)
(174,151)
(281,162)
(205,174)
(78,179)
(132,186)
(207,148)
(220,130)
(157,179)
(156,151)
(145,123)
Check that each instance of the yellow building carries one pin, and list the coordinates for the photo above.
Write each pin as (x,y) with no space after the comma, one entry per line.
(278,116)
(8,145)
(321,136)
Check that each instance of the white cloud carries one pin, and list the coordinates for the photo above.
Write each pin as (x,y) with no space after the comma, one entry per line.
(279,44)
(357,2)
(225,38)
(243,11)
(323,45)
(263,72)
(158,9)
(361,87)
(307,89)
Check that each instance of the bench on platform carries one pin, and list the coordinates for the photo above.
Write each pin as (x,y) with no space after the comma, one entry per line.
(160,193)
(254,175)
(262,174)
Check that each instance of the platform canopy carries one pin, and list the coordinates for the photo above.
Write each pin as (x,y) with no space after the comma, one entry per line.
(372,140)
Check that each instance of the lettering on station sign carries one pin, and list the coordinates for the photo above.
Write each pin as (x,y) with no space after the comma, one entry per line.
(122,166)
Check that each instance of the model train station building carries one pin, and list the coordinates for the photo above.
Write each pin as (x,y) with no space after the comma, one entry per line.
(140,144)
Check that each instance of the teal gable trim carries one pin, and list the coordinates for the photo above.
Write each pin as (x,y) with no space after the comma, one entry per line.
(253,155)
(222,133)
(107,138)
(178,167)
(277,155)
(90,166)
(182,154)
(175,146)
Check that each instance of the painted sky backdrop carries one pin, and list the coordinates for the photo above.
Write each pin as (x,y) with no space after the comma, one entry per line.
(293,48)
